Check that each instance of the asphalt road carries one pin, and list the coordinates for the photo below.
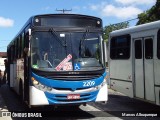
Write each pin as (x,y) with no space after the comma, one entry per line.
(117,106)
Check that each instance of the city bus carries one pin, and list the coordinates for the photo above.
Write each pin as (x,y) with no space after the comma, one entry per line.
(134,61)
(58,59)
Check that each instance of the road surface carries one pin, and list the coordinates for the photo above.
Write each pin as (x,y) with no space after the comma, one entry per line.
(118,107)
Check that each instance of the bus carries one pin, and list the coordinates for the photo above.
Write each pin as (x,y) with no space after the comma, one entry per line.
(58,59)
(134,61)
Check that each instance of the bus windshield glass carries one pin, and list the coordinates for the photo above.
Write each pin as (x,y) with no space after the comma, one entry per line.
(62,51)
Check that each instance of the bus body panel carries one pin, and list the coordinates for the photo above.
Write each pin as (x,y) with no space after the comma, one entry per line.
(12,75)
(102,95)
(124,87)
(15,80)
(157,71)
(121,76)
(20,76)
(37,97)
(117,73)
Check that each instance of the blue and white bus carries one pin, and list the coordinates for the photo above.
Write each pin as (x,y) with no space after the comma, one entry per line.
(58,59)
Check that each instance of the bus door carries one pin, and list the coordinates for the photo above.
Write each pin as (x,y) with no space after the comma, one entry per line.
(143,69)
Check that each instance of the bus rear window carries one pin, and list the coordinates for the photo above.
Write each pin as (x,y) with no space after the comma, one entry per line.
(120,47)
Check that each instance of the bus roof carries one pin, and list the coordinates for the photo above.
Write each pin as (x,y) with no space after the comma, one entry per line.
(147,26)
(30,21)
(80,15)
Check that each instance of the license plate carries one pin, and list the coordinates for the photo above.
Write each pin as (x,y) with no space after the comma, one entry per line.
(73,96)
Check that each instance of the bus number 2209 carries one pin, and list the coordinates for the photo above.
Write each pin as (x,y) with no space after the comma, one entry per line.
(88,83)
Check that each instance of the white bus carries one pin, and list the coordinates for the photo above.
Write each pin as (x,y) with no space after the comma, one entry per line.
(134,61)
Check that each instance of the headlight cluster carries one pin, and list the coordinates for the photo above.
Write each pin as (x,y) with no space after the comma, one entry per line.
(101,85)
(40,86)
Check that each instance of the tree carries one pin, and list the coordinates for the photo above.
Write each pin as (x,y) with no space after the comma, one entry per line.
(112,27)
(150,15)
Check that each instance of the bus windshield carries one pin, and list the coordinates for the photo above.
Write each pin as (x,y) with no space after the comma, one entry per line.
(63,51)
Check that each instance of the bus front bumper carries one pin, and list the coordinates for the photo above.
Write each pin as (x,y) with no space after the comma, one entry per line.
(38,97)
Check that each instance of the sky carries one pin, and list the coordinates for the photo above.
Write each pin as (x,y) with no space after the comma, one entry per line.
(14,13)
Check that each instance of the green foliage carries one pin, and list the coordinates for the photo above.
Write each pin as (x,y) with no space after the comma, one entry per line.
(112,27)
(150,15)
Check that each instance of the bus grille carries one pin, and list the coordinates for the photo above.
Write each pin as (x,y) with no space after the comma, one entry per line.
(74,78)
(62,99)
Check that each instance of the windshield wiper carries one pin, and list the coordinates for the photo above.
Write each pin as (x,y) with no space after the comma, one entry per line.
(81,45)
(57,38)
(84,36)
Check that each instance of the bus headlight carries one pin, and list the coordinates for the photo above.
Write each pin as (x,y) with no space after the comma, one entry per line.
(101,85)
(43,87)
(40,86)
(34,81)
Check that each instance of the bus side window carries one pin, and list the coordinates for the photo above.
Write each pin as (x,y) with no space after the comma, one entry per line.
(138,49)
(22,45)
(26,40)
(18,47)
(149,50)
(120,47)
(15,51)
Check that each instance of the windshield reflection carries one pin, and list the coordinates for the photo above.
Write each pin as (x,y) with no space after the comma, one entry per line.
(49,54)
